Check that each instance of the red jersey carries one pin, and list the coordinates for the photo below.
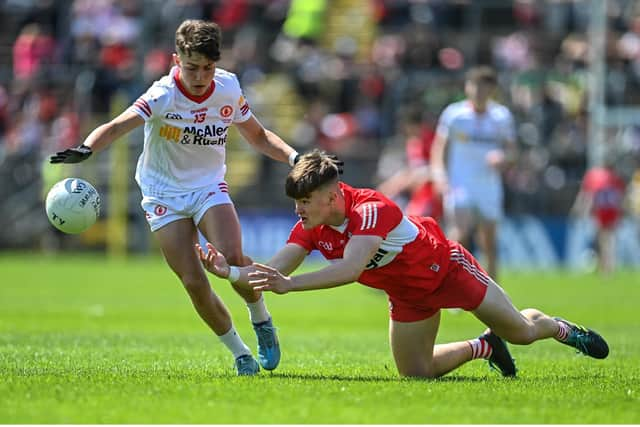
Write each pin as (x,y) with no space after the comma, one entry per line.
(412,258)
(607,190)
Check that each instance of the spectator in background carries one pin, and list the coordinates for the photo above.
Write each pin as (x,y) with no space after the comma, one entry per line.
(474,139)
(416,177)
(32,51)
(601,196)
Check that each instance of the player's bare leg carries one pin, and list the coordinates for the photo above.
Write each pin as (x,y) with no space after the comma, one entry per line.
(606,250)
(461,224)
(518,327)
(221,226)
(415,354)
(177,241)
(487,242)
(530,325)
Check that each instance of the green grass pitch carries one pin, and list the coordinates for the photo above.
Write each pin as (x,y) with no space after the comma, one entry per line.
(87,340)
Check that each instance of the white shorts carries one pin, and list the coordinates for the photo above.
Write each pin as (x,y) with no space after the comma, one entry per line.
(485,203)
(160,211)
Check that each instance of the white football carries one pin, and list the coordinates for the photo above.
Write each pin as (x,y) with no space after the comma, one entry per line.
(73,205)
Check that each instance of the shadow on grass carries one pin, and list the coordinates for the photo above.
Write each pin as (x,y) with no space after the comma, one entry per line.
(368,378)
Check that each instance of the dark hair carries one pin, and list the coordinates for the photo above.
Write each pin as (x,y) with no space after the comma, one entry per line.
(197,36)
(482,74)
(314,170)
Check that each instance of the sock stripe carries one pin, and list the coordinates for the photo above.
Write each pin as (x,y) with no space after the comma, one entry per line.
(480,348)
(563,331)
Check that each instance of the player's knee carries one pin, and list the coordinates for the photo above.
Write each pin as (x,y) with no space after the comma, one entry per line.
(195,284)
(417,371)
(521,336)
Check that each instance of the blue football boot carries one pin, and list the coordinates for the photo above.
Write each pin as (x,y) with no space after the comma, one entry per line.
(268,345)
(246,365)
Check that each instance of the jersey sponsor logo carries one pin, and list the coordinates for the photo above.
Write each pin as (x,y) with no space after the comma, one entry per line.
(207,131)
(375,261)
(369,216)
(205,135)
(226,111)
(170,133)
(460,137)
(327,246)
(173,116)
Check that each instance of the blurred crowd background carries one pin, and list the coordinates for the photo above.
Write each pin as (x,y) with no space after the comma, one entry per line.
(342,75)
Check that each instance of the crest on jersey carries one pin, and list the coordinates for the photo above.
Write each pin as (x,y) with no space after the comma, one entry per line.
(160,210)
(226,111)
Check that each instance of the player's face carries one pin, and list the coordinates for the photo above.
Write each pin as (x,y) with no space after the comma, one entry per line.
(315,210)
(479,92)
(196,72)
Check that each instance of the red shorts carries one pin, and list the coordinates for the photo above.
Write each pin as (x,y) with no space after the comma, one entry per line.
(463,286)
(607,217)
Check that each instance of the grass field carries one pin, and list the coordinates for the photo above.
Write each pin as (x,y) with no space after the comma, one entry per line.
(86,340)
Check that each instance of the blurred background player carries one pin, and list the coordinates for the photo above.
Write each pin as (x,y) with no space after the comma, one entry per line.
(369,240)
(415,178)
(181,172)
(601,197)
(474,139)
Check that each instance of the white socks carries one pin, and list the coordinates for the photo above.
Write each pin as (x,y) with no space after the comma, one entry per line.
(258,312)
(234,343)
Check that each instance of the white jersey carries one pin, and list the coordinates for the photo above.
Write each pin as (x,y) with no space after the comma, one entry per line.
(470,136)
(185,135)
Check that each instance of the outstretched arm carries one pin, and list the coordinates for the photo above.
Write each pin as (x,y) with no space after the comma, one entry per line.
(100,138)
(286,261)
(265,141)
(357,254)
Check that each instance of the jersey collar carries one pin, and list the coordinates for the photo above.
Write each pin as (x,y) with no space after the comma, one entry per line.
(199,99)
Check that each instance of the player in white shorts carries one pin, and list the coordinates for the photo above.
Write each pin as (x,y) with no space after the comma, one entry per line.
(186,117)
(474,140)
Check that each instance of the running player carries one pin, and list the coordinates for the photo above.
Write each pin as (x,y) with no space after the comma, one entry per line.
(369,240)
(474,138)
(601,196)
(186,117)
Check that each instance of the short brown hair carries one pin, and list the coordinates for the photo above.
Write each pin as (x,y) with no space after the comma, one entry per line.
(314,170)
(482,74)
(197,36)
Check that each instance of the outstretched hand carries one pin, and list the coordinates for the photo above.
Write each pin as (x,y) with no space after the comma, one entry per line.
(213,261)
(266,278)
(72,155)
